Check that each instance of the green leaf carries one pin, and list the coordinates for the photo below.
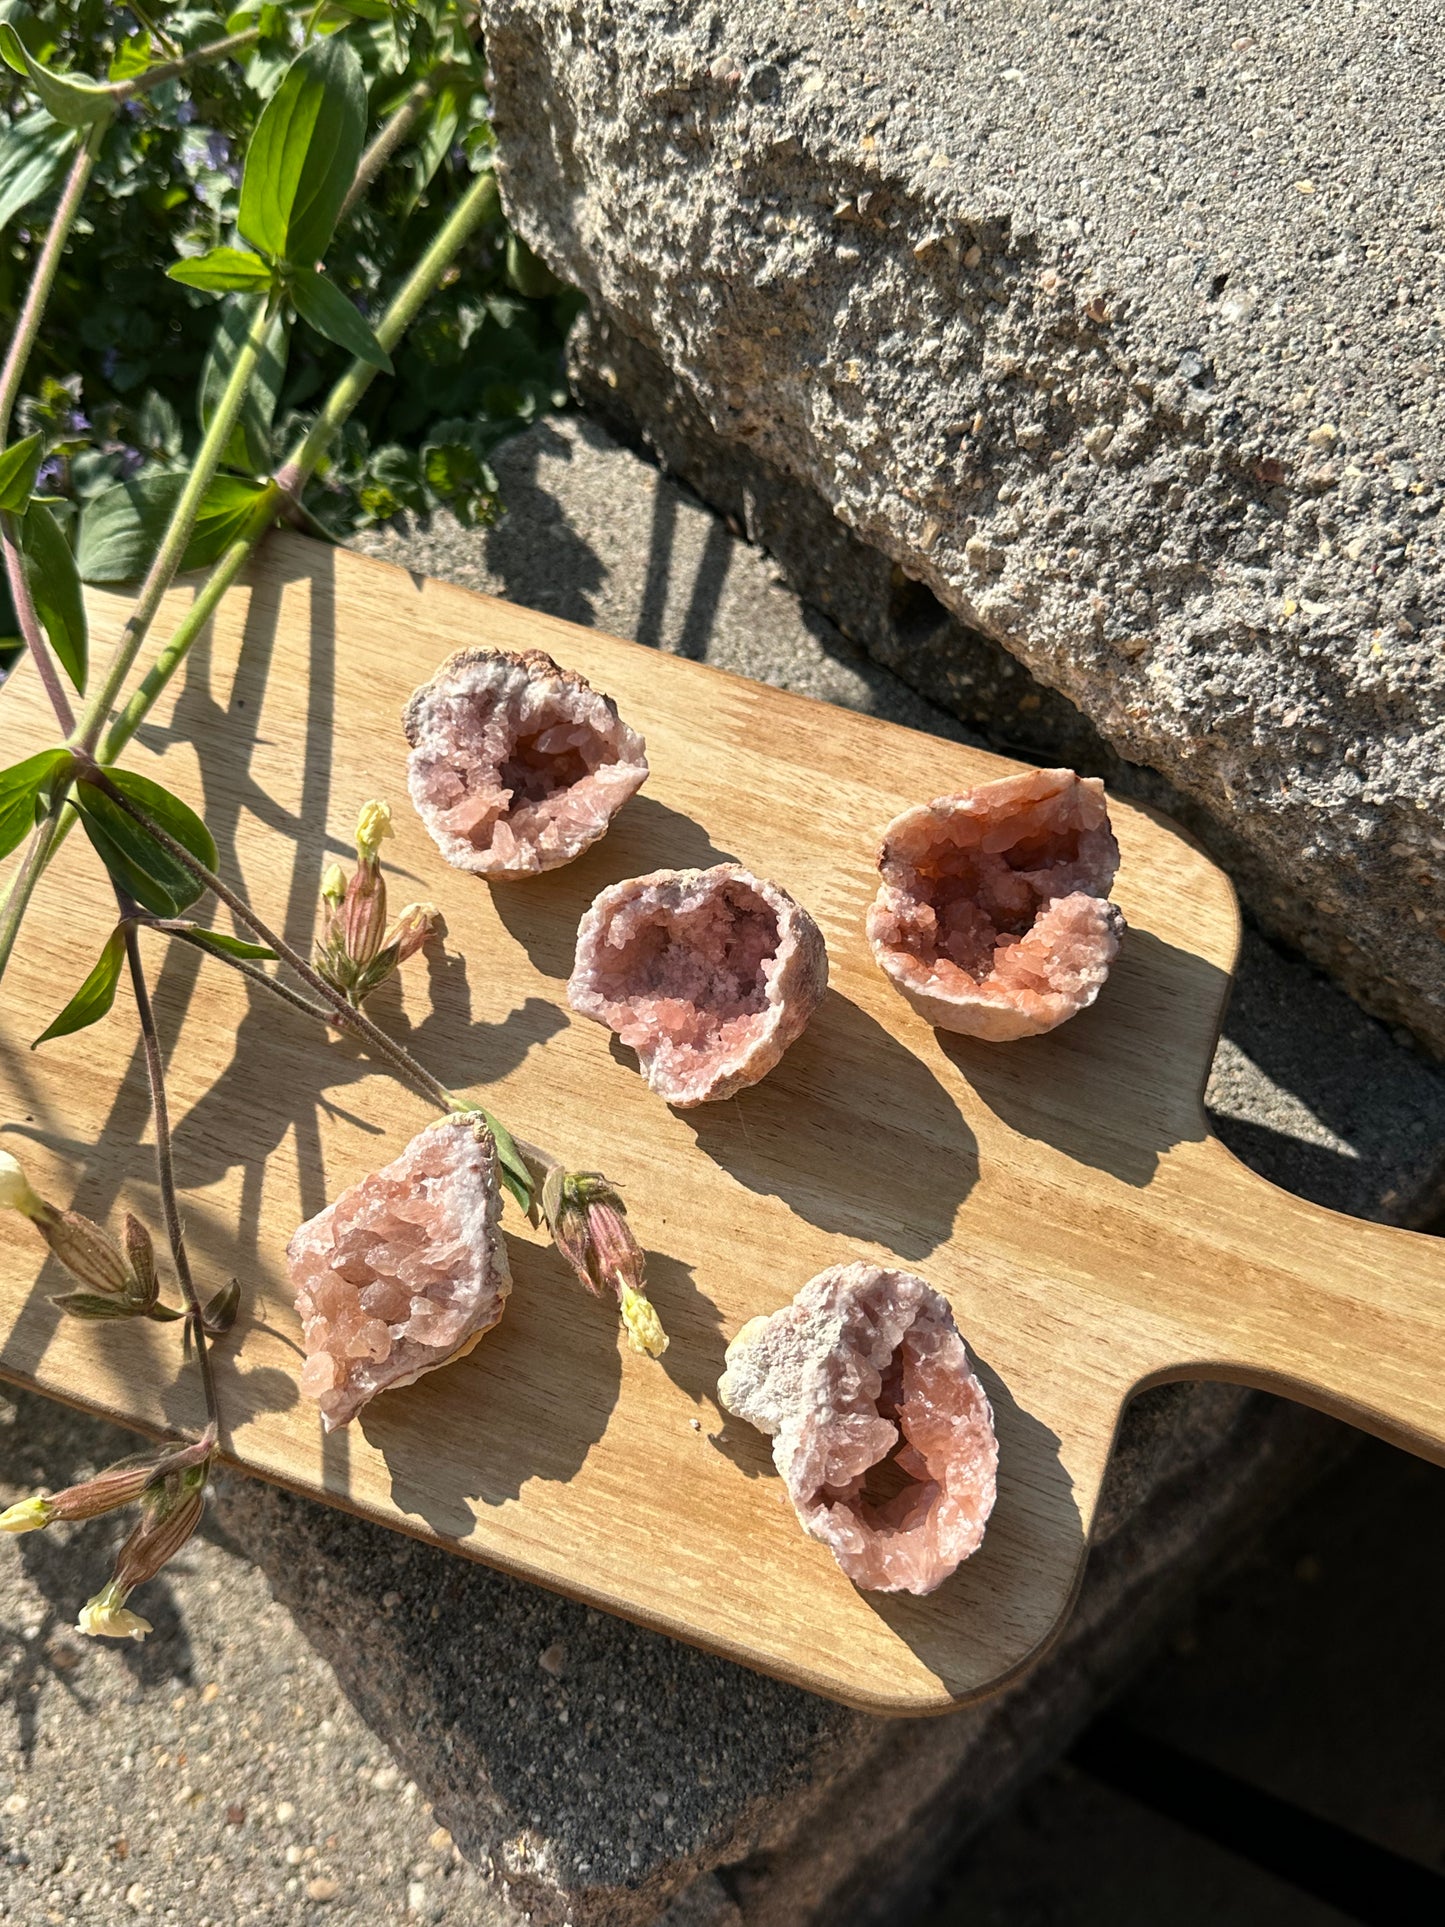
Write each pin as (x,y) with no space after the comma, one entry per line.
(158,881)
(322,303)
(222,270)
(249,448)
(71,98)
(232,946)
(33,153)
(19,465)
(164,1314)
(132,57)
(55,585)
(303,154)
(121,528)
(95,996)
(20,785)
(364,9)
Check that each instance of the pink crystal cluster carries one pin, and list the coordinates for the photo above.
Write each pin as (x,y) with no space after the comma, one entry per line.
(864,1384)
(709,975)
(404,1272)
(993,916)
(517,766)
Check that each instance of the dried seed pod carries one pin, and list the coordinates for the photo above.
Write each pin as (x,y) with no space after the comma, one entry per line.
(708,975)
(993,917)
(517,766)
(404,1272)
(865,1369)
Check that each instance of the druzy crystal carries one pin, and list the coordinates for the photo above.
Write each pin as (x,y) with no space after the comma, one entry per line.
(993,916)
(404,1272)
(709,975)
(882,1434)
(516,765)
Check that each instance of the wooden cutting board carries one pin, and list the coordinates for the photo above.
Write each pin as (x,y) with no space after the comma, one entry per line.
(1063,1192)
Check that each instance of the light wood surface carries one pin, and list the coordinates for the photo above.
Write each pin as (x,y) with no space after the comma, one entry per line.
(1063,1191)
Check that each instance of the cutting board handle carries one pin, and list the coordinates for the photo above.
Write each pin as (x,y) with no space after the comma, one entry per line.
(1340,1313)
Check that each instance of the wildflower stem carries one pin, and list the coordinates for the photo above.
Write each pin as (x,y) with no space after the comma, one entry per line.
(165,1169)
(29,620)
(232,43)
(393,135)
(169,555)
(24,880)
(43,278)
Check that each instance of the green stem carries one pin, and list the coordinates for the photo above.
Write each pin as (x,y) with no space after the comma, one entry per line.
(22,884)
(392,135)
(165,1169)
(156,76)
(173,544)
(477,205)
(30,628)
(46,268)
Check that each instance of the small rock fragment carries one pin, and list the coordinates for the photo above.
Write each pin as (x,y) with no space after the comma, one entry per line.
(517,766)
(709,975)
(404,1272)
(866,1369)
(993,917)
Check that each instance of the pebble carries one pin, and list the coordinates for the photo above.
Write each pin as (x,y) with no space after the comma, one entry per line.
(285,1811)
(552,1659)
(321,1888)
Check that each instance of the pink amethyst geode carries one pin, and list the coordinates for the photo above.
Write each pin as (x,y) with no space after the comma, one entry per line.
(517,766)
(993,917)
(882,1434)
(404,1272)
(708,975)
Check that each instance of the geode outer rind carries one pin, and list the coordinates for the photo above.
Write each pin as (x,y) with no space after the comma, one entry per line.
(404,1272)
(992,919)
(650,948)
(491,727)
(861,1355)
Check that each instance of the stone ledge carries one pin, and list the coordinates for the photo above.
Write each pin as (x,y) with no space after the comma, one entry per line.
(1052,325)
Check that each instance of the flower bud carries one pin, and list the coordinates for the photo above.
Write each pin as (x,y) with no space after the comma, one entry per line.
(416,925)
(15,1191)
(588,1222)
(333,884)
(105,1616)
(171,1509)
(363,916)
(86,1249)
(144,1287)
(373,826)
(30,1515)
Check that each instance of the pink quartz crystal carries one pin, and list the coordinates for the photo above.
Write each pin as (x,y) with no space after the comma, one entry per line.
(993,917)
(404,1272)
(517,766)
(708,975)
(866,1369)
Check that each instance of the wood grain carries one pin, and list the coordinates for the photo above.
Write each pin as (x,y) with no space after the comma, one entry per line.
(1063,1191)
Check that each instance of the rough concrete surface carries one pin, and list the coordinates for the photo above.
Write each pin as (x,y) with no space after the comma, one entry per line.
(593,1773)
(1118,326)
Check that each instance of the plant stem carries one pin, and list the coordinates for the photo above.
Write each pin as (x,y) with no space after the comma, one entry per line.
(151,27)
(392,135)
(165,1169)
(178,533)
(478,205)
(22,884)
(169,69)
(46,269)
(30,628)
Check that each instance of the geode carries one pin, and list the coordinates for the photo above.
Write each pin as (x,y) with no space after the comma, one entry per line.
(404,1272)
(517,766)
(708,975)
(882,1434)
(993,916)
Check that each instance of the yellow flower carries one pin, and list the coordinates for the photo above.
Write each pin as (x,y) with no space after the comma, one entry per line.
(644,1327)
(105,1617)
(333,884)
(29,1516)
(372,826)
(15,1191)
